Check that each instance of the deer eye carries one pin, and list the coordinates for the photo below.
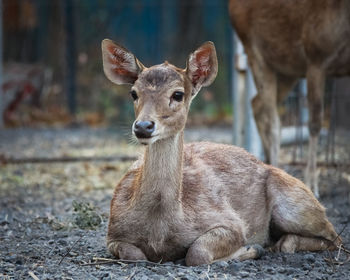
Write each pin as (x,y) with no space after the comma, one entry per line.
(134,95)
(178,96)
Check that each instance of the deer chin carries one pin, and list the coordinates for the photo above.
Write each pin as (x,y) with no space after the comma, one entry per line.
(148,141)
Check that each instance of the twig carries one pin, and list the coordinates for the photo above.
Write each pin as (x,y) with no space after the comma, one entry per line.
(340,248)
(31,274)
(12,160)
(330,260)
(322,164)
(99,261)
(70,249)
(338,255)
(344,249)
(131,275)
(337,262)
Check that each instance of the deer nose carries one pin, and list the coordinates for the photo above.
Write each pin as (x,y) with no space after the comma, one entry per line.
(143,129)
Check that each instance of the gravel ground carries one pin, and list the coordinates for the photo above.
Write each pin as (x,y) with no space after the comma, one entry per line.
(53,216)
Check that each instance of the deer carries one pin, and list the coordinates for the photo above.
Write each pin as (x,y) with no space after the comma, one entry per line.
(201,202)
(285,41)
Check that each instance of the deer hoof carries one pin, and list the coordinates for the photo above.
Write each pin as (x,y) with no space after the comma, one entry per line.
(260,251)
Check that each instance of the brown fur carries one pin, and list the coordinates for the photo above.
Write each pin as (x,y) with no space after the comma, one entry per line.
(202,201)
(286,40)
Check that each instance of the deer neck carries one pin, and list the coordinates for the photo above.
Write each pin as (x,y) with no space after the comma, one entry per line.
(161,183)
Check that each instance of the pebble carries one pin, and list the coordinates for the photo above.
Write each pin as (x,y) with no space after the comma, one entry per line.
(222,264)
(244,274)
(282,270)
(62,242)
(310,258)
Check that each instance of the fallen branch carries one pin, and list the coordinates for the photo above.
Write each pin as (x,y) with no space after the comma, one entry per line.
(70,249)
(322,164)
(12,160)
(100,261)
(335,261)
(332,261)
(31,274)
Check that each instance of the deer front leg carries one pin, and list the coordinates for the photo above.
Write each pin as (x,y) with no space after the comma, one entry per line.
(220,243)
(264,107)
(125,251)
(315,83)
(268,124)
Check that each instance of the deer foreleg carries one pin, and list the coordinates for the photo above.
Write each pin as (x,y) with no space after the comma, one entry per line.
(220,243)
(125,251)
(291,243)
(268,124)
(315,83)
(265,106)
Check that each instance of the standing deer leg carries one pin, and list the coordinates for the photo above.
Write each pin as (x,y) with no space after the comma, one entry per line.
(220,243)
(315,82)
(265,109)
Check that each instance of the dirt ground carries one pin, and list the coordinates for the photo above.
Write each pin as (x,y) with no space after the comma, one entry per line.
(53,215)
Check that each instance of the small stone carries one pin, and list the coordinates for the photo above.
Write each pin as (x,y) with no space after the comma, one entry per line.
(106,276)
(11,259)
(222,264)
(244,274)
(20,267)
(62,242)
(19,261)
(306,267)
(310,258)
(291,271)
(270,270)
(282,270)
(72,254)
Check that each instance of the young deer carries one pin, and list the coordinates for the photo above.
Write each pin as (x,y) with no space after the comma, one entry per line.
(286,40)
(202,201)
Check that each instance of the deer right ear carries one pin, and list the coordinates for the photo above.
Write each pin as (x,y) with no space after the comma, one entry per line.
(120,65)
(202,66)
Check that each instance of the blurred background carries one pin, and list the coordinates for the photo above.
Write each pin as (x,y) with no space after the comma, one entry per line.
(52,66)
(65,129)
(51,72)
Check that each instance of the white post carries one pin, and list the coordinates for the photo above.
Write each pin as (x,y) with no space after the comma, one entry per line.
(239,77)
(245,133)
(253,142)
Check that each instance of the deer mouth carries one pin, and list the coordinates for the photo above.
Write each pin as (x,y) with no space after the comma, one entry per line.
(147,140)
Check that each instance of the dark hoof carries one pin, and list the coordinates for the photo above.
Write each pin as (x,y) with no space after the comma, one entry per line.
(260,251)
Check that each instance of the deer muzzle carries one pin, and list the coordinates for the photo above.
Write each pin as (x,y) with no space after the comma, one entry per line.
(143,129)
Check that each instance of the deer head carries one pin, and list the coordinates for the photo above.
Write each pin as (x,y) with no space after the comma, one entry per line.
(162,93)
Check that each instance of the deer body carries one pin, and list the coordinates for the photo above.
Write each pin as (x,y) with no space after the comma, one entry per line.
(201,201)
(286,40)
(169,216)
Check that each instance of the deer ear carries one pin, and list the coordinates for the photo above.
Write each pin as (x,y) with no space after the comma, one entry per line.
(120,65)
(202,66)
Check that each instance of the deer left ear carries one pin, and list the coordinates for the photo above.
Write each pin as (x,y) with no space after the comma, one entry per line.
(202,66)
(119,64)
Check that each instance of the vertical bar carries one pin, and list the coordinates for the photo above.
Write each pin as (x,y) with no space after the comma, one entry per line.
(233,84)
(245,132)
(253,142)
(70,54)
(1,92)
(239,72)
